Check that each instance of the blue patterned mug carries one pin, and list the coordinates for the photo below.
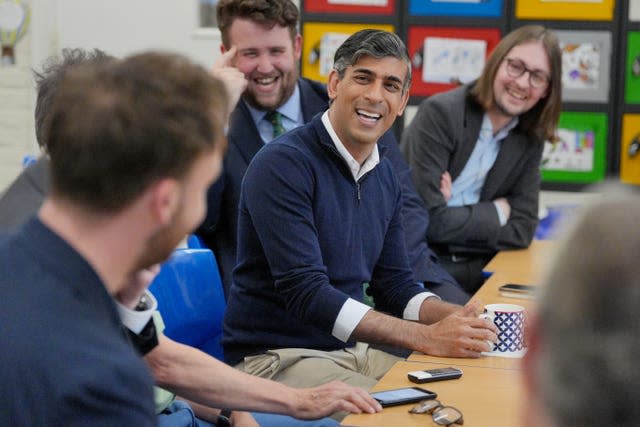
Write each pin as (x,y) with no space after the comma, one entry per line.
(509,319)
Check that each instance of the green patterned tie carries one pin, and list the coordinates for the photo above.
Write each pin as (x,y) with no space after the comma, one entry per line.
(275,118)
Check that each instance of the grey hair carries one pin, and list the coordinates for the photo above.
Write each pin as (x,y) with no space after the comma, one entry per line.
(374,43)
(587,373)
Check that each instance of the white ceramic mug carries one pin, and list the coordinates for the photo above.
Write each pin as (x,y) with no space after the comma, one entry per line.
(509,319)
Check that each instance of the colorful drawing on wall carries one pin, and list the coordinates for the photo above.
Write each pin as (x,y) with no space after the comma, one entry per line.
(632,69)
(329,43)
(571,10)
(630,149)
(362,7)
(586,57)
(579,154)
(572,152)
(580,65)
(320,41)
(360,2)
(439,76)
(485,8)
(448,60)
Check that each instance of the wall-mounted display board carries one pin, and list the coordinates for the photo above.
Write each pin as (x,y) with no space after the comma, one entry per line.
(586,56)
(444,57)
(632,69)
(634,10)
(579,154)
(480,8)
(320,41)
(630,149)
(369,7)
(570,10)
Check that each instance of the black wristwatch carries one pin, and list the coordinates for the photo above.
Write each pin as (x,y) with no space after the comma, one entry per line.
(224,419)
(146,340)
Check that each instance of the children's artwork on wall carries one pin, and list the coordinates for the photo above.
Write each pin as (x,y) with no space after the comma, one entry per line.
(571,10)
(572,152)
(632,69)
(585,65)
(630,149)
(444,57)
(329,43)
(320,41)
(360,2)
(362,7)
(450,60)
(485,8)
(578,156)
(580,65)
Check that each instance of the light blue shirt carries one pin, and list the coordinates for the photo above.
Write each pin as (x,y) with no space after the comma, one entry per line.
(467,186)
(291,116)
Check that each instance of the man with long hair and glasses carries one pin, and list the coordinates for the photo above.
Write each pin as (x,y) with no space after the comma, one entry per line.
(475,153)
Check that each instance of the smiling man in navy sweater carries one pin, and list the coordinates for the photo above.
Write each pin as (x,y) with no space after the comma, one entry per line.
(320,214)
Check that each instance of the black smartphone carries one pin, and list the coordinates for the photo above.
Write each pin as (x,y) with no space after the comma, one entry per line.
(515,290)
(429,375)
(400,396)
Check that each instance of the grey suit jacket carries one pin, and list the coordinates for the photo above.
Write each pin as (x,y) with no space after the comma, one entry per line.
(441,138)
(23,197)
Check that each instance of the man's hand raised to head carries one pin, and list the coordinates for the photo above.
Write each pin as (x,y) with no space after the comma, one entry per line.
(233,79)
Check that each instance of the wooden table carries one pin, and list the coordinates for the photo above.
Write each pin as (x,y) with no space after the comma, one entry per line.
(487,397)
(490,391)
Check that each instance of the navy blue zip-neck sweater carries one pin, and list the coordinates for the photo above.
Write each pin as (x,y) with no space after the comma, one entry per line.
(309,236)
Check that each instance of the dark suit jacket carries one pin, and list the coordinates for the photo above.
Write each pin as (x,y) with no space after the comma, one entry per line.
(220,226)
(25,195)
(64,358)
(441,138)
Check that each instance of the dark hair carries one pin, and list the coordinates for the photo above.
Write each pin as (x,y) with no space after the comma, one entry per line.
(374,43)
(541,120)
(115,128)
(48,80)
(267,13)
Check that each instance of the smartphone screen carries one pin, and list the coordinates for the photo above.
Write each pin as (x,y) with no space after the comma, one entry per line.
(403,395)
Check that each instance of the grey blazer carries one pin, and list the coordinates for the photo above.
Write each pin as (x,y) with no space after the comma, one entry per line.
(441,138)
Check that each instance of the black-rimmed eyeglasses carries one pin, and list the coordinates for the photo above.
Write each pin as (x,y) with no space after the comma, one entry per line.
(537,79)
(442,415)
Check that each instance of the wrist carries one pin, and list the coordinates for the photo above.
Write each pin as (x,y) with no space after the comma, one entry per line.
(224,418)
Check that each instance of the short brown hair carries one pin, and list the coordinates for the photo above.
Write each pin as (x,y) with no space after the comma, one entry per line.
(541,120)
(267,13)
(115,128)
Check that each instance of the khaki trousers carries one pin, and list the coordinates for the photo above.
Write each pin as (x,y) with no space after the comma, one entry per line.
(360,366)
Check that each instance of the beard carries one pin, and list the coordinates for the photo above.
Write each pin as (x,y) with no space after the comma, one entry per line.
(287,82)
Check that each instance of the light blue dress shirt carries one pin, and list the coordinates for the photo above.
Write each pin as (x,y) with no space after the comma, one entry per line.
(467,186)
(291,116)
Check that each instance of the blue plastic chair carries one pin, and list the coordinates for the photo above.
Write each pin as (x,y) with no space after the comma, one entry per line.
(191,299)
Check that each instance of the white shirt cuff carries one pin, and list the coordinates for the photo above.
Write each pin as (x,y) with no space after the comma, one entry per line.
(501,216)
(412,310)
(350,315)
(137,320)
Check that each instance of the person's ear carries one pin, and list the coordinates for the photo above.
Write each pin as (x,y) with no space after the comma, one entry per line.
(297,46)
(531,358)
(405,100)
(165,196)
(332,84)
(222,48)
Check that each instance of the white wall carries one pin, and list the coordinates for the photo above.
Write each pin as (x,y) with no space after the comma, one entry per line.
(119,27)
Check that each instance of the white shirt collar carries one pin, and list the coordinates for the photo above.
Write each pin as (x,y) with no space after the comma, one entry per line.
(357,170)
